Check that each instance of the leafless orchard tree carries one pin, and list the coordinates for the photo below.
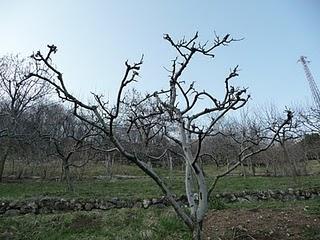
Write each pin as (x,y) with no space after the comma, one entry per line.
(311,122)
(250,139)
(176,115)
(18,92)
(67,139)
(244,134)
(219,148)
(286,137)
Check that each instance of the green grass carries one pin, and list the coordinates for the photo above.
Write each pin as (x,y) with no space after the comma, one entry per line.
(114,224)
(137,224)
(134,223)
(310,206)
(312,233)
(129,188)
(264,183)
(144,187)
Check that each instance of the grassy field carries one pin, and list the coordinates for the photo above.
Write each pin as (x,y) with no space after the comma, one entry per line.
(133,223)
(144,187)
(113,224)
(157,223)
(53,170)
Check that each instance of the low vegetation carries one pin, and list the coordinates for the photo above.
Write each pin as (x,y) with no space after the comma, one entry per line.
(139,186)
(161,223)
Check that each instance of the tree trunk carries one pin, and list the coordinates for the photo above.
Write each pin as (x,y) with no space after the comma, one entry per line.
(149,164)
(292,166)
(3,161)
(170,164)
(13,166)
(109,166)
(67,176)
(197,231)
(267,170)
(68,180)
(244,172)
(275,172)
(44,172)
(228,164)
(253,169)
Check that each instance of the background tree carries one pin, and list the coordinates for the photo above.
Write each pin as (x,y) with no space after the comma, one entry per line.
(311,140)
(19,91)
(288,163)
(67,138)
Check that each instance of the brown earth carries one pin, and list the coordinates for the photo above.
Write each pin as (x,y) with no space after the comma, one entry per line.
(262,224)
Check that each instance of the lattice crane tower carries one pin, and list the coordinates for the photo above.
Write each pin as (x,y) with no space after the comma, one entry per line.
(313,86)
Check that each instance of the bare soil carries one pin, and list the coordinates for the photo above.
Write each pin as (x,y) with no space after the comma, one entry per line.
(262,224)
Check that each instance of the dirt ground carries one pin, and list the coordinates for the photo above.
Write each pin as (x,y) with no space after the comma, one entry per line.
(262,224)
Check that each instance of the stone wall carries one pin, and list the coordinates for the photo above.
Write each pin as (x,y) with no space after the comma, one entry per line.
(54,205)
(281,195)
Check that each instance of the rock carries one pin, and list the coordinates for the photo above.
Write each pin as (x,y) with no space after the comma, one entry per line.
(88,206)
(3,207)
(71,204)
(146,203)
(129,204)
(105,206)
(290,191)
(262,196)
(25,209)
(307,195)
(138,204)
(249,198)
(160,205)
(155,201)
(59,206)
(114,200)
(14,204)
(12,212)
(233,198)
(44,210)
(47,202)
(34,207)
(242,200)
(121,204)
(273,194)
(78,206)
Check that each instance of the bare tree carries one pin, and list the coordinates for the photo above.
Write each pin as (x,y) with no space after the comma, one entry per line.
(18,92)
(311,120)
(250,139)
(67,138)
(311,141)
(286,137)
(177,114)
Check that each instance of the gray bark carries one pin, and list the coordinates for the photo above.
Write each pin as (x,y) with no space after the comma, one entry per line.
(3,161)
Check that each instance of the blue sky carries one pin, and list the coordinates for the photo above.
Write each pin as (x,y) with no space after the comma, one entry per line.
(94,39)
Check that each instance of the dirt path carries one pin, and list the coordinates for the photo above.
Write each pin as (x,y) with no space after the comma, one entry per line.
(261,224)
